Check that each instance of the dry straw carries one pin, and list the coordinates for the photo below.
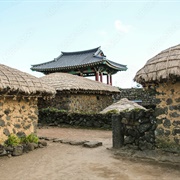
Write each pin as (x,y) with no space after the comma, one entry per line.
(65,82)
(163,67)
(15,82)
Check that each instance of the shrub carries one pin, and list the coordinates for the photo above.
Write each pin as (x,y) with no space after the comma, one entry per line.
(12,140)
(32,138)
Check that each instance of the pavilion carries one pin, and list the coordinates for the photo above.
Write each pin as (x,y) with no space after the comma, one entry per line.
(86,63)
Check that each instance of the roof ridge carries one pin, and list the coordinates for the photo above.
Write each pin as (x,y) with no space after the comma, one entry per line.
(83,51)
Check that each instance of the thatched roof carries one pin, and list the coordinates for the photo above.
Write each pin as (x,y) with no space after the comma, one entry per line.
(164,66)
(122,105)
(13,82)
(65,82)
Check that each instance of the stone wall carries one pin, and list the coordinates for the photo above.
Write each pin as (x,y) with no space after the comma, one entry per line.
(134,129)
(143,97)
(18,116)
(168,113)
(78,102)
(54,117)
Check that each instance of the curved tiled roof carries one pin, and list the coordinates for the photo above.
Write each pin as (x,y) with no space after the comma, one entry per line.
(13,81)
(163,66)
(69,60)
(67,82)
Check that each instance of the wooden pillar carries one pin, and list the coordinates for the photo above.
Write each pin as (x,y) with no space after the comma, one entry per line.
(97,75)
(101,77)
(107,78)
(111,79)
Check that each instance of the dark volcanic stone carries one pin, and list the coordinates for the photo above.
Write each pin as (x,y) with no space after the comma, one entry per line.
(176,123)
(77,142)
(6,132)
(57,140)
(7,111)
(133,133)
(167,123)
(159,132)
(17,126)
(17,151)
(157,101)
(177,100)
(21,134)
(9,148)
(159,111)
(27,127)
(176,107)
(31,146)
(129,140)
(167,132)
(159,121)
(1,149)
(92,144)
(2,123)
(8,118)
(43,143)
(144,127)
(176,131)
(174,114)
(145,146)
(169,101)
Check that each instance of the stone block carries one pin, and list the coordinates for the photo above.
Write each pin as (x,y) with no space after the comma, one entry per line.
(174,115)
(2,123)
(17,151)
(6,132)
(92,144)
(166,123)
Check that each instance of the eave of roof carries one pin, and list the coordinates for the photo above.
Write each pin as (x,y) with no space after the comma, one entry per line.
(88,58)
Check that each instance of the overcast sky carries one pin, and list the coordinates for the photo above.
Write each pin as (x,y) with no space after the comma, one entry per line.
(129,32)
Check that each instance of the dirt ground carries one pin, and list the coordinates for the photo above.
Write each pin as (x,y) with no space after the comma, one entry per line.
(60,161)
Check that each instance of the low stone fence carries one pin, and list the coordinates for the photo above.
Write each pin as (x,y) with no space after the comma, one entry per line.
(143,97)
(54,117)
(135,129)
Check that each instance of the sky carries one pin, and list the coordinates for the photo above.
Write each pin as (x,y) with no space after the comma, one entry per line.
(129,32)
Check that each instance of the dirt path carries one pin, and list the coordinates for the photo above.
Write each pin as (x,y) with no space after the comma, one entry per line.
(66,162)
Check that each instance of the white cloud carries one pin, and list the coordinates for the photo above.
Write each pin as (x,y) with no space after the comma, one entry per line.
(122,27)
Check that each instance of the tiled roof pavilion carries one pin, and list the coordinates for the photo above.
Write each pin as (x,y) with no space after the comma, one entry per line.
(91,62)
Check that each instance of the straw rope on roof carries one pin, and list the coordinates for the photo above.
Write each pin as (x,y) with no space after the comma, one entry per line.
(72,83)
(13,82)
(164,66)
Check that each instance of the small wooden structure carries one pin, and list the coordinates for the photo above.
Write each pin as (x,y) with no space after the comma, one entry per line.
(19,94)
(86,63)
(162,73)
(78,94)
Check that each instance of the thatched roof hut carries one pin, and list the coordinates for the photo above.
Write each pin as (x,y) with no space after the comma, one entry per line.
(15,82)
(162,67)
(66,82)
(19,93)
(122,105)
(162,73)
(78,93)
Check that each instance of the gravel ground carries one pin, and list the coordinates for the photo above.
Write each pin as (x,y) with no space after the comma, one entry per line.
(60,161)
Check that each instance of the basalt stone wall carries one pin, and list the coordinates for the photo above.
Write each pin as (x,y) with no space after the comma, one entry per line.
(168,114)
(134,129)
(54,117)
(143,97)
(18,115)
(78,102)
